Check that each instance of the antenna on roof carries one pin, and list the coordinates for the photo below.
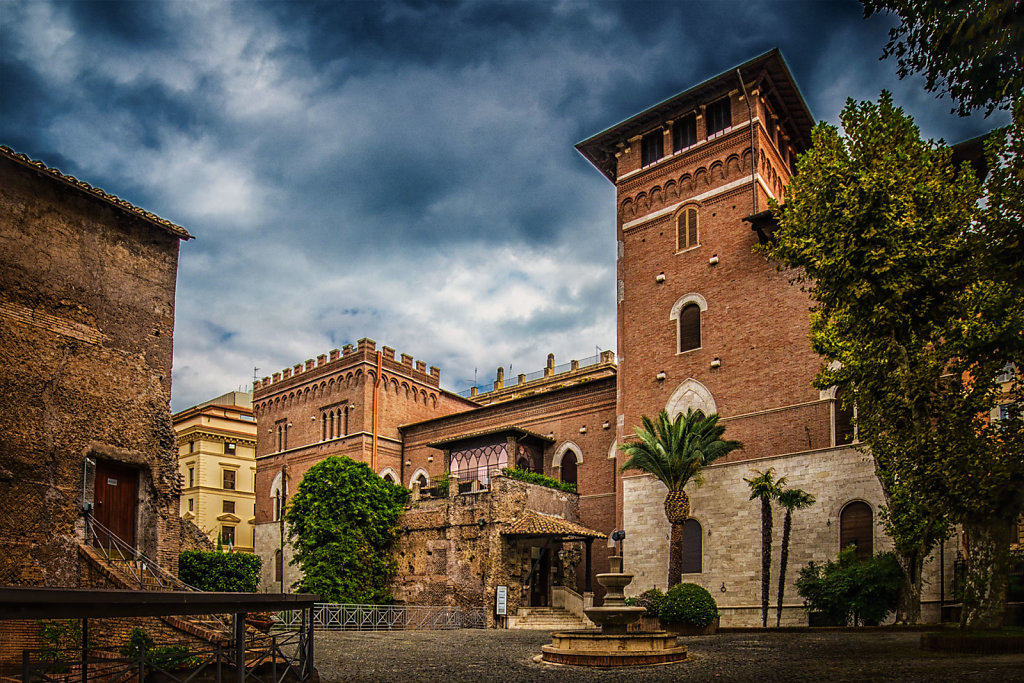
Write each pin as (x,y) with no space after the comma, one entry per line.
(255,374)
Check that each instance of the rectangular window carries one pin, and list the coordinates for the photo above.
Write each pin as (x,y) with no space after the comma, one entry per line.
(684,133)
(228,506)
(229,480)
(191,446)
(191,505)
(191,477)
(686,229)
(719,116)
(227,535)
(229,448)
(652,147)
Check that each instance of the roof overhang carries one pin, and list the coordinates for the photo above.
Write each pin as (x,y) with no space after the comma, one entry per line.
(532,524)
(509,430)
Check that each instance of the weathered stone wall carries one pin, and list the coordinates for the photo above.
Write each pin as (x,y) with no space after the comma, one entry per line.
(446,557)
(86,328)
(731,526)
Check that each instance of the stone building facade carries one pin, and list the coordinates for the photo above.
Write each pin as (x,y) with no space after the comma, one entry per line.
(217,463)
(705,322)
(87,285)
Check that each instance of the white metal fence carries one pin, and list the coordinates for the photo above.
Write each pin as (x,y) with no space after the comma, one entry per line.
(328,616)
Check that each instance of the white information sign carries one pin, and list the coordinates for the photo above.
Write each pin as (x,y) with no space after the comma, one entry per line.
(501,601)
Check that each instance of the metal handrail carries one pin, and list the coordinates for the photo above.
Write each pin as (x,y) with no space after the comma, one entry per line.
(328,616)
(107,542)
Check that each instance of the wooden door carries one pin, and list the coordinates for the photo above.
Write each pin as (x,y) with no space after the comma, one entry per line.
(540,584)
(116,499)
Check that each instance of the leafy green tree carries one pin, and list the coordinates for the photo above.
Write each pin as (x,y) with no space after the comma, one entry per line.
(865,590)
(676,451)
(915,318)
(765,488)
(972,49)
(791,499)
(342,523)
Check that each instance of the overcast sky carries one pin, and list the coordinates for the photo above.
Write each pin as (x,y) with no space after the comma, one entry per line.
(402,171)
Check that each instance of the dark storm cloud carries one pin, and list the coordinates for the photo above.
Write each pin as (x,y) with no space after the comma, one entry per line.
(398,170)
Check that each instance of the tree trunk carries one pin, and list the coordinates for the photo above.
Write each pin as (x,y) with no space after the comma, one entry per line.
(675,556)
(987,576)
(787,525)
(766,557)
(908,605)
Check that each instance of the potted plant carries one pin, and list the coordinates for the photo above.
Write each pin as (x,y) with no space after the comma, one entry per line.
(689,610)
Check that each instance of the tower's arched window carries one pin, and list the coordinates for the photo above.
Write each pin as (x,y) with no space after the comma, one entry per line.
(323,427)
(569,467)
(693,548)
(689,328)
(686,229)
(856,528)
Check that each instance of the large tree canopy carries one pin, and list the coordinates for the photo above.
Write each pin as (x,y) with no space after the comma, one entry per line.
(971,49)
(915,318)
(342,523)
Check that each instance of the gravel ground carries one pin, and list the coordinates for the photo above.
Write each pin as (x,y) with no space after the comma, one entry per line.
(499,655)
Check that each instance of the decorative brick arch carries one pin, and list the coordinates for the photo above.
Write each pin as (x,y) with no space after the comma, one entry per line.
(565,448)
(416,474)
(691,394)
(691,298)
(390,472)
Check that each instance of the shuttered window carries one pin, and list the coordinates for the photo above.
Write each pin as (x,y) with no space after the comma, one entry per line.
(652,147)
(686,229)
(693,550)
(856,528)
(684,133)
(689,328)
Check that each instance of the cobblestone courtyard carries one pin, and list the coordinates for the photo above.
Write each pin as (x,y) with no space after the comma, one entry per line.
(494,655)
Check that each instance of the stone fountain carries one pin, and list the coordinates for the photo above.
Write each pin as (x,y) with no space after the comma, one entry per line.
(614,645)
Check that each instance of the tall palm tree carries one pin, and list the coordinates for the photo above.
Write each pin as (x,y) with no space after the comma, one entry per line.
(675,451)
(791,499)
(766,488)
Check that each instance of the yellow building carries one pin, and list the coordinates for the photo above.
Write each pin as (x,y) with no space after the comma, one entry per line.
(217,461)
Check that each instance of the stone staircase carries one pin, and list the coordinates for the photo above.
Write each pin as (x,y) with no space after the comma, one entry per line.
(548,619)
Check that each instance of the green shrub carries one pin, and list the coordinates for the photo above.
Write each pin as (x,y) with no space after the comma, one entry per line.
(220,572)
(865,591)
(539,479)
(138,644)
(690,604)
(652,599)
(58,638)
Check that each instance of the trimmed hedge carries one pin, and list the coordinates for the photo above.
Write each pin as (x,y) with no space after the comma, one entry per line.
(690,604)
(652,599)
(539,479)
(220,572)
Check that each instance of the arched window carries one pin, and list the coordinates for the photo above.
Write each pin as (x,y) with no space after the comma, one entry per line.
(693,548)
(842,420)
(856,528)
(323,420)
(569,468)
(689,328)
(390,476)
(686,229)
(421,479)
(278,565)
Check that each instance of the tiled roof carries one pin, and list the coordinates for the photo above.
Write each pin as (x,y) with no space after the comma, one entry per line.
(162,223)
(508,429)
(531,523)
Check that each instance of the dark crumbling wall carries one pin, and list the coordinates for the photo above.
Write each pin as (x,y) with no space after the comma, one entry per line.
(86,328)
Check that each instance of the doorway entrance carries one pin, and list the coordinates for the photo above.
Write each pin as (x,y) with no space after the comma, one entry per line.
(539,578)
(116,499)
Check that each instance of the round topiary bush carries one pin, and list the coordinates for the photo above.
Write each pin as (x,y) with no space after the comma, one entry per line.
(652,599)
(688,603)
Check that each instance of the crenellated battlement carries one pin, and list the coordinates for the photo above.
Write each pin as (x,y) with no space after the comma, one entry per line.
(363,351)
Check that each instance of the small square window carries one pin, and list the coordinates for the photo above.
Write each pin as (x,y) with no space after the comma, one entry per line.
(228,506)
(229,448)
(229,480)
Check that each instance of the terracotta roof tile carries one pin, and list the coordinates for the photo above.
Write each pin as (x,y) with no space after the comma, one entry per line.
(531,523)
(162,223)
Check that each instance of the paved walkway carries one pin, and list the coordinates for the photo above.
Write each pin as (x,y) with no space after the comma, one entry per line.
(493,655)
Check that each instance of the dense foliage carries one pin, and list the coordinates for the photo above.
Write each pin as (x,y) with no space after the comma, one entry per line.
(676,451)
(539,479)
(917,309)
(220,572)
(342,523)
(972,50)
(651,599)
(690,604)
(850,589)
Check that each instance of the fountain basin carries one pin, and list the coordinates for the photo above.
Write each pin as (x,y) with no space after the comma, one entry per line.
(614,619)
(594,648)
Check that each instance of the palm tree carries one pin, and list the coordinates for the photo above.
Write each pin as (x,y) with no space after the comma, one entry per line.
(675,451)
(765,488)
(791,499)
